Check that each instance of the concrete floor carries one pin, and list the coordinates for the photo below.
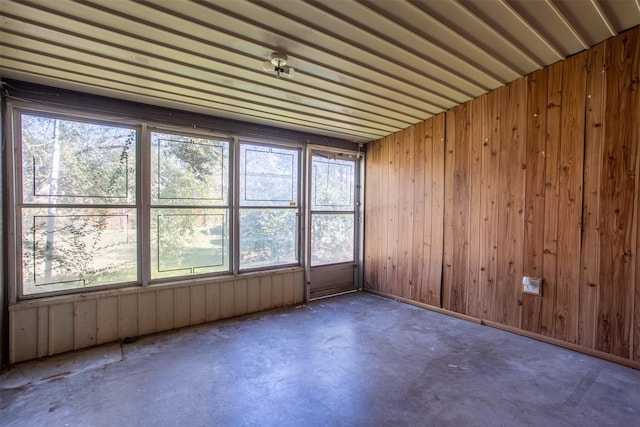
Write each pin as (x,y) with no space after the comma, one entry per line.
(356,359)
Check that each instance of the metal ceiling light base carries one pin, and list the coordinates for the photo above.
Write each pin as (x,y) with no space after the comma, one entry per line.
(279,59)
(277,62)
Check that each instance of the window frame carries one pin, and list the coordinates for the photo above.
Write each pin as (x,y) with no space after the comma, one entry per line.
(299,208)
(149,205)
(16,196)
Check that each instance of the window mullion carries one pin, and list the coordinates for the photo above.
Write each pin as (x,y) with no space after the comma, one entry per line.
(234,209)
(13,167)
(143,202)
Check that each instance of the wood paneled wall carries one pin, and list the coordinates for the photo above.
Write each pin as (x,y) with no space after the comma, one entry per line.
(538,178)
(404,212)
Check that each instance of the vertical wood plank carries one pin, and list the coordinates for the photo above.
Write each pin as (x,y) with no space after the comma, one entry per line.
(379,235)
(511,202)
(461,200)
(212,304)
(84,323)
(107,319)
(636,107)
(373,215)
(277,290)
(369,172)
(489,203)
(534,194)
(420,198)
(60,328)
(240,298)
(288,291)
(24,334)
(552,199)
(227,295)
(378,260)
(434,282)
(128,315)
(406,287)
(253,294)
(570,190)
(43,331)
(448,277)
(385,258)
(198,305)
(147,318)
(475,197)
(636,334)
(617,269)
(590,251)
(422,208)
(265,292)
(393,216)
(165,304)
(181,307)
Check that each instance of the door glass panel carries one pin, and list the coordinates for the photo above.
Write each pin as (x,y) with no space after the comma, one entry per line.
(331,238)
(332,184)
(332,209)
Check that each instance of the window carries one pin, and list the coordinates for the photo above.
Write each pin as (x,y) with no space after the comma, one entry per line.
(77,204)
(189,205)
(269,206)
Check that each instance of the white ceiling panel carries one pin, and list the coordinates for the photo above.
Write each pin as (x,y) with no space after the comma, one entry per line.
(364,69)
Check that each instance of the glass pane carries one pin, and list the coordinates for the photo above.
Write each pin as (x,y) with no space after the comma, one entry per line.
(77,248)
(268,176)
(189,241)
(268,237)
(189,171)
(331,238)
(66,161)
(332,184)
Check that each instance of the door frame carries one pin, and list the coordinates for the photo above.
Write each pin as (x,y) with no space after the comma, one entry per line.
(358,158)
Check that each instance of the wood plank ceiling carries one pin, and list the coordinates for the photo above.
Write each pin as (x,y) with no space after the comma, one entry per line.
(364,69)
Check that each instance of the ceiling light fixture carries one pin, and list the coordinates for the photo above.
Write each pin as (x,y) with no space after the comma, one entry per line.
(277,63)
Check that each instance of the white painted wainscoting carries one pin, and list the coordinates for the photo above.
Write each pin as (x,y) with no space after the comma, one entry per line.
(48,326)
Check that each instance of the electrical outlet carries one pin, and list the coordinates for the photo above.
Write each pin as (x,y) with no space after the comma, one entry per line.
(532,285)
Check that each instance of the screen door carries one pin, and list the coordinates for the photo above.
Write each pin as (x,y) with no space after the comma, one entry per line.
(333,223)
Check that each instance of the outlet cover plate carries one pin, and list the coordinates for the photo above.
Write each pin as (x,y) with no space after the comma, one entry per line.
(532,285)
